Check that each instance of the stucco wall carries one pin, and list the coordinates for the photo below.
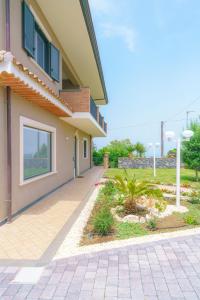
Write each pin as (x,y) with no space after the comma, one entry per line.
(26,194)
(16,43)
(84,162)
(3,152)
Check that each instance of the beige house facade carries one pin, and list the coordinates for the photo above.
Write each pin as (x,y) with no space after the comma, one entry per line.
(51,91)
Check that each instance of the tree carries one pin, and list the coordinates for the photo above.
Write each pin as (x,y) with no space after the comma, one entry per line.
(115,149)
(191,149)
(140,149)
(171,153)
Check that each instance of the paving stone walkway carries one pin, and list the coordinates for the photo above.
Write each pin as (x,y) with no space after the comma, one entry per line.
(167,269)
(35,234)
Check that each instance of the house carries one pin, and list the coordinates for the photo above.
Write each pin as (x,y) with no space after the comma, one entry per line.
(51,90)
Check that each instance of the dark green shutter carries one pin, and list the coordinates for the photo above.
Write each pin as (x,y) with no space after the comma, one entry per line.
(28,30)
(54,62)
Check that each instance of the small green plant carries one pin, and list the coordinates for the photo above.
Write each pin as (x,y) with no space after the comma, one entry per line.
(195,199)
(127,230)
(191,219)
(161,205)
(152,224)
(109,188)
(103,221)
(132,190)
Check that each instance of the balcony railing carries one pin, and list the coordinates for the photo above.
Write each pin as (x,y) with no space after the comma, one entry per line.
(80,100)
(105,126)
(93,108)
(100,120)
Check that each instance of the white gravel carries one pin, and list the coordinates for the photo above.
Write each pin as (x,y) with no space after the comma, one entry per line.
(70,245)
(72,240)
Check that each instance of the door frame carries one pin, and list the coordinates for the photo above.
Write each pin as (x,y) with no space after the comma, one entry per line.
(76,155)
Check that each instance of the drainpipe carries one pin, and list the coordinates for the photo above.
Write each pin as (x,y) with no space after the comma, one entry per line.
(91,153)
(9,141)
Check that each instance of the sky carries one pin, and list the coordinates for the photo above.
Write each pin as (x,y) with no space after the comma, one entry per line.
(150,53)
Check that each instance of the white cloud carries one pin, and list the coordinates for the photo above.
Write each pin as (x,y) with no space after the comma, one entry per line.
(127,34)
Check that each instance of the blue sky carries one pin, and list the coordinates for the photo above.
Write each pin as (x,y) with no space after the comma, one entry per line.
(150,52)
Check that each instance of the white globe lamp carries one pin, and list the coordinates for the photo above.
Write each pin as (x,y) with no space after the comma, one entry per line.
(187,134)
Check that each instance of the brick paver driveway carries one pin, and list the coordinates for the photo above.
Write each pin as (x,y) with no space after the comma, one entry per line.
(167,269)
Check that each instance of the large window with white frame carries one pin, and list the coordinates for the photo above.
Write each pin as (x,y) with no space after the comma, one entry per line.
(85,148)
(37,149)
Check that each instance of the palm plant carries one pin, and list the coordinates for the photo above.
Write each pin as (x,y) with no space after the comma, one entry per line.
(133,189)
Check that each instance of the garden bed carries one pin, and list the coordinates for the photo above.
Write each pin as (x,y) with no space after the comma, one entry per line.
(109,198)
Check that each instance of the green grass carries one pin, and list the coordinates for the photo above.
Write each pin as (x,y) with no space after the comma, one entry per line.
(127,230)
(167,176)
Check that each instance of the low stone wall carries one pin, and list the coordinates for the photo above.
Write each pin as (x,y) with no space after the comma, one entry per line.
(144,163)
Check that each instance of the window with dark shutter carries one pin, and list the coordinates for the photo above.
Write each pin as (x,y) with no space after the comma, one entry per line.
(55,60)
(28,30)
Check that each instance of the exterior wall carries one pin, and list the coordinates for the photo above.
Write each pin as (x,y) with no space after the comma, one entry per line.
(2,25)
(17,48)
(22,195)
(3,151)
(84,163)
(144,163)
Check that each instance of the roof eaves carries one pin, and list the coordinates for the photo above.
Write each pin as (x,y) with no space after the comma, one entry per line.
(90,28)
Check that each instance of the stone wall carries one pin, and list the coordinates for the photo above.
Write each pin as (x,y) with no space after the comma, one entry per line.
(144,163)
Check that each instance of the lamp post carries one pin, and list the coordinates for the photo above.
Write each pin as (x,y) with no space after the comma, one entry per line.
(170,135)
(154,146)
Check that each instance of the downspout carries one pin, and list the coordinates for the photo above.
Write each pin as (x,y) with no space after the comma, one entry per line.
(91,152)
(9,140)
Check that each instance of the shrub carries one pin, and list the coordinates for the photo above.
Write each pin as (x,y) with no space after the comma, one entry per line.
(191,219)
(161,205)
(103,221)
(195,198)
(152,224)
(109,188)
(98,157)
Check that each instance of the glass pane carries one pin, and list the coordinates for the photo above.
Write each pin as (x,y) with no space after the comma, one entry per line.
(37,152)
(85,149)
(40,50)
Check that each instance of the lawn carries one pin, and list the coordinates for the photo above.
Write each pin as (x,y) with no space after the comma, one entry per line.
(167,176)
(119,201)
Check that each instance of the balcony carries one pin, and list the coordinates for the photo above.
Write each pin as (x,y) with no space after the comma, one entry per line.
(86,115)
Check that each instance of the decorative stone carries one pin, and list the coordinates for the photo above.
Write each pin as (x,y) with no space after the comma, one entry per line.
(153,212)
(145,162)
(131,219)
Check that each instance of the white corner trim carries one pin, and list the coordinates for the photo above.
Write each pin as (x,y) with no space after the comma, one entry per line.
(8,66)
(85,140)
(38,125)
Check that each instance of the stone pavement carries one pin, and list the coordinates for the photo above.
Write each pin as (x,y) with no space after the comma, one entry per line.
(36,234)
(167,269)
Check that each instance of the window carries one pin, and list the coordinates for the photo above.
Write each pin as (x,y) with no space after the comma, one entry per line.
(37,45)
(37,150)
(41,50)
(85,148)
(54,62)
